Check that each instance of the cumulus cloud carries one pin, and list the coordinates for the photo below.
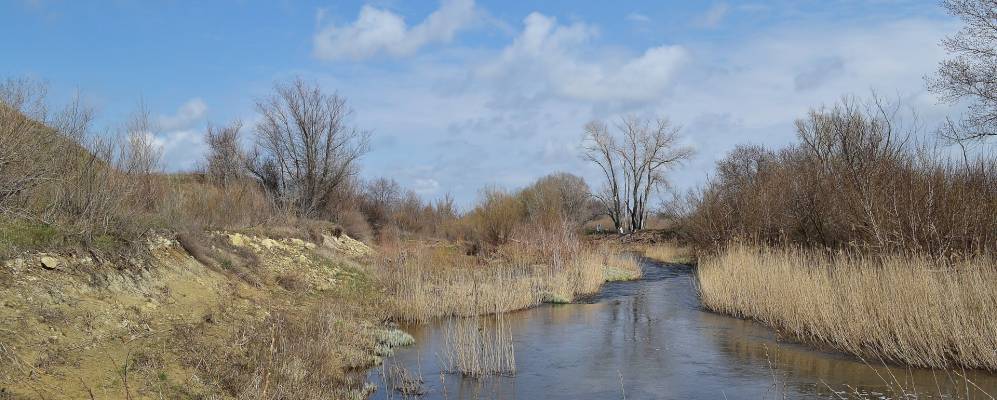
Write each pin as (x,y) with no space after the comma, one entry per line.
(509,115)
(181,149)
(189,113)
(556,59)
(378,31)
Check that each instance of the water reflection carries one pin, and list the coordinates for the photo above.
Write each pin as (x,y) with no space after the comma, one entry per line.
(650,340)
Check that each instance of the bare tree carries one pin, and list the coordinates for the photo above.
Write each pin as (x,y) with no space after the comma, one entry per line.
(972,71)
(634,167)
(600,149)
(226,160)
(305,149)
(381,198)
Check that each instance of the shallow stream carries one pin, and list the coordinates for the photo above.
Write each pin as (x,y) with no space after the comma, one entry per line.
(650,339)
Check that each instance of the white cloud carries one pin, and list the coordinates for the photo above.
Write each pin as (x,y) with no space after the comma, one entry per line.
(638,18)
(189,113)
(426,186)
(381,31)
(510,115)
(551,59)
(714,15)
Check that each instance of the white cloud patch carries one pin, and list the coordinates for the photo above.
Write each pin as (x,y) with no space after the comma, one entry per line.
(549,58)
(714,15)
(638,18)
(378,31)
(189,113)
(510,115)
(426,186)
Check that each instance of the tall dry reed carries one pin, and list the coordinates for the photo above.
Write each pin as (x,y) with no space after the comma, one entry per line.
(911,309)
(478,346)
(428,282)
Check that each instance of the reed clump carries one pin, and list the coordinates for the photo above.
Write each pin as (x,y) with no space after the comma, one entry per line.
(619,266)
(669,252)
(480,345)
(428,281)
(913,309)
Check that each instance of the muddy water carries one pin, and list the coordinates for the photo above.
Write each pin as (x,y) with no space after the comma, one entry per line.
(651,340)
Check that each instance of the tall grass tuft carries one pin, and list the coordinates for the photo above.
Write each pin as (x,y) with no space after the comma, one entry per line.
(478,346)
(911,309)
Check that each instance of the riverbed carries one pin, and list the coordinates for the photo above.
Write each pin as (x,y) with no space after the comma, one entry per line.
(651,339)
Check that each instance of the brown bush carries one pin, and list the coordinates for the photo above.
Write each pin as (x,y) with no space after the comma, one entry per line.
(355,225)
(854,180)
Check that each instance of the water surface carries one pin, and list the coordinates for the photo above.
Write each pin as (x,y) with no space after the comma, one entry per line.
(650,339)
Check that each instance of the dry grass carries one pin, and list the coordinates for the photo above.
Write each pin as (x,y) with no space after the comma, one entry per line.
(428,281)
(619,266)
(669,252)
(437,281)
(477,346)
(910,309)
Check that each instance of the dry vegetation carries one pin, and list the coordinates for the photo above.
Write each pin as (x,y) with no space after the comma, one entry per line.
(478,346)
(669,252)
(425,282)
(908,308)
(857,238)
(254,289)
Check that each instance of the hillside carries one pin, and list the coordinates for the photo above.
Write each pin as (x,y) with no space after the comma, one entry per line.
(188,318)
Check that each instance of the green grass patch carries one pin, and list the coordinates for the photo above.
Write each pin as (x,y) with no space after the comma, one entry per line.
(18,236)
(616,275)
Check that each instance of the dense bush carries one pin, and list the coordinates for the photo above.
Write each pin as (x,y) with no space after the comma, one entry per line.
(857,178)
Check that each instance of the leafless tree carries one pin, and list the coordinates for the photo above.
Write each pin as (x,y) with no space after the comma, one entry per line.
(305,148)
(600,149)
(971,73)
(226,160)
(634,166)
(381,198)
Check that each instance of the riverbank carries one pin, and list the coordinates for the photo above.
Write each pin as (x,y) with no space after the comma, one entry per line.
(265,313)
(913,310)
(220,315)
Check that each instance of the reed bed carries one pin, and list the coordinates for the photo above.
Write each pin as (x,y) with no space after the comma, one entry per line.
(910,309)
(478,346)
(429,282)
(668,252)
(620,266)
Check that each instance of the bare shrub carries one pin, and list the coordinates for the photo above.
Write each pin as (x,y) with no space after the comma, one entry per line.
(355,225)
(856,179)
(496,216)
(559,195)
(226,160)
(33,145)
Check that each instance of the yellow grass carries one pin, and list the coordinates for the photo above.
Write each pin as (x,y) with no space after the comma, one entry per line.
(428,282)
(908,309)
(477,346)
(620,266)
(669,252)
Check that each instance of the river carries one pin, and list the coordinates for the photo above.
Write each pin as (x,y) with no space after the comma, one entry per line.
(650,339)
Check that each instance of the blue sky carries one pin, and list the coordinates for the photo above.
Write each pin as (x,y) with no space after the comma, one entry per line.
(463,93)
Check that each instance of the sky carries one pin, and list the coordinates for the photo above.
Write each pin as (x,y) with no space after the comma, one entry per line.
(460,94)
